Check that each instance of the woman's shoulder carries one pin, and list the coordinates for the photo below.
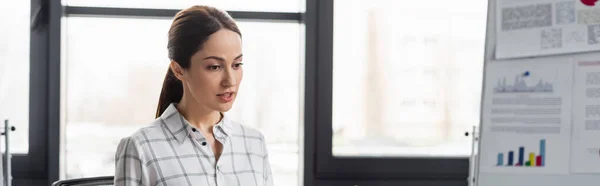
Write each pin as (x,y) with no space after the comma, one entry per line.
(245,130)
(252,138)
(149,131)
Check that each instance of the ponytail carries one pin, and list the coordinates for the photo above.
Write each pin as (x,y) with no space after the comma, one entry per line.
(172,92)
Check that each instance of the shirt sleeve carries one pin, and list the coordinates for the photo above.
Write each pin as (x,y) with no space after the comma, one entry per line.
(268,175)
(128,164)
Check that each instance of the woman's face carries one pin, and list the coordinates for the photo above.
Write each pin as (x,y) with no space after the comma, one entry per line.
(215,72)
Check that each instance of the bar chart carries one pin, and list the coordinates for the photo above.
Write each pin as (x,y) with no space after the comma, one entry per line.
(523,158)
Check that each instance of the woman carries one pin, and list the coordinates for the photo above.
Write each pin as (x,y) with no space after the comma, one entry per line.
(192,141)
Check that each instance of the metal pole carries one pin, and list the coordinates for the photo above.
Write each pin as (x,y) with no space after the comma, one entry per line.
(7,155)
(2,166)
(472,179)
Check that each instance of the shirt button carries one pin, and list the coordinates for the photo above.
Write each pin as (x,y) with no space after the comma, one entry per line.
(194,129)
(204,143)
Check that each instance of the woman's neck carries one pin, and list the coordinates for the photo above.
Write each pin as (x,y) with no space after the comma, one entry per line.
(200,117)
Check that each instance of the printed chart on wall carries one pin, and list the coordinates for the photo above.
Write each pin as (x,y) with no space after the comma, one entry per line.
(526,28)
(585,149)
(527,117)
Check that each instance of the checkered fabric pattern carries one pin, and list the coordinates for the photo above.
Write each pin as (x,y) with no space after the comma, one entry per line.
(171,152)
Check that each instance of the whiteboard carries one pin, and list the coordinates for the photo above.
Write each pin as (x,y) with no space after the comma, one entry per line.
(540,114)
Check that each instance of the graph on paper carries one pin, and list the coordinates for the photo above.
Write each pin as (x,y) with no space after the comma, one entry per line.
(522,157)
(520,85)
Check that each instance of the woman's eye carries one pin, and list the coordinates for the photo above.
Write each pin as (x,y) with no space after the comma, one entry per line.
(214,67)
(237,65)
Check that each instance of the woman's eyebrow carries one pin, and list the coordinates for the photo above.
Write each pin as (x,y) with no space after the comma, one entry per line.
(220,59)
(238,57)
(215,58)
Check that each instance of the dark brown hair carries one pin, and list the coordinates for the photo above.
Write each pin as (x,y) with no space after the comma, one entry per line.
(191,27)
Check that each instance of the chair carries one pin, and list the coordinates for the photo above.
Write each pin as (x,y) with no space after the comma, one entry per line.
(91,181)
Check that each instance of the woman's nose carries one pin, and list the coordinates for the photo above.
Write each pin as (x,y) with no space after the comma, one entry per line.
(229,79)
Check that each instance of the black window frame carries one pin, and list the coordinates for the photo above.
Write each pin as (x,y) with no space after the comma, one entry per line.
(41,166)
(35,167)
(330,170)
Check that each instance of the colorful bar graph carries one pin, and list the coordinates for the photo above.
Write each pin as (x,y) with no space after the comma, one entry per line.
(524,160)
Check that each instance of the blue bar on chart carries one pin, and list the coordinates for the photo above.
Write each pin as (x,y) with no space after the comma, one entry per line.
(521,156)
(500,159)
(510,158)
(543,152)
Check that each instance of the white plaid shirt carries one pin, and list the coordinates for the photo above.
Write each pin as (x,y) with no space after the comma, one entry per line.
(170,152)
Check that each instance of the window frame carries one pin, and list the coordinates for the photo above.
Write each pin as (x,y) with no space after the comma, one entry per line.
(35,167)
(364,170)
(70,11)
(43,164)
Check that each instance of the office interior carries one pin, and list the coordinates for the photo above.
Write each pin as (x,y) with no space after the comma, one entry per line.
(346,92)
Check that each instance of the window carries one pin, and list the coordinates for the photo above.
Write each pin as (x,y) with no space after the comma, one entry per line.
(270,93)
(115,68)
(398,85)
(14,72)
(232,5)
(114,72)
(407,77)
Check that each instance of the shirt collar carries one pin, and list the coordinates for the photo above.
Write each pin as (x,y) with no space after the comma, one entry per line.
(180,128)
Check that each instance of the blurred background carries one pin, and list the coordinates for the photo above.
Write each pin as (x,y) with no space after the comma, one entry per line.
(358,80)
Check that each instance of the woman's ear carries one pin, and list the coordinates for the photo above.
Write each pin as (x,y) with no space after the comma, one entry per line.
(177,70)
